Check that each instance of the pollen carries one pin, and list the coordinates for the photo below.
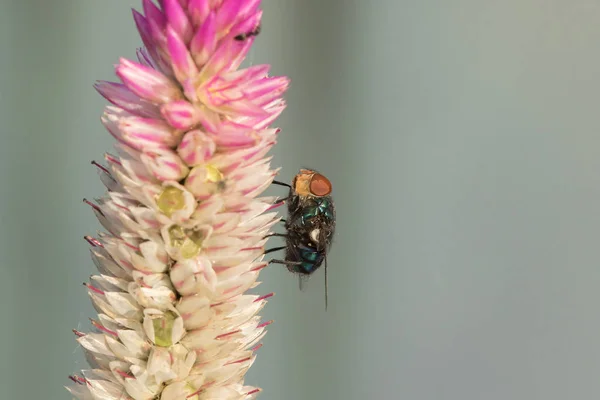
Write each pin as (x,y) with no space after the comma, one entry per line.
(188,241)
(170,200)
(163,329)
(213,174)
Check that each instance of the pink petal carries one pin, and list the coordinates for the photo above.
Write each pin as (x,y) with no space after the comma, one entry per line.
(275,112)
(157,23)
(196,148)
(248,74)
(227,162)
(276,84)
(144,29)
(232,11)
(228,56)
(153,48)
(198,184)
(267,91)
(204,42)
(239,106)
(180,114)
(153,13)
(148,133)
(147,82)
(245,25)
(119,95)
(209,119)
(110,120)
(178,20)
(165,165)
(183,65)
(144,58)
(259,123)
(198,11)
(237,98)
(232,135)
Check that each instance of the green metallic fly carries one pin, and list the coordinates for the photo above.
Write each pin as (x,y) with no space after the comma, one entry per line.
(310,225)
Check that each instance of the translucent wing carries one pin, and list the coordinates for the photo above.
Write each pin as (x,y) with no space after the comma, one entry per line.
(302,282)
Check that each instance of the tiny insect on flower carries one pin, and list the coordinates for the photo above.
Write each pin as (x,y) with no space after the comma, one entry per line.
(244,36)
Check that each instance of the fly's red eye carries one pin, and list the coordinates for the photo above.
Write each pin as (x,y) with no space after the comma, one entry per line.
(319,185)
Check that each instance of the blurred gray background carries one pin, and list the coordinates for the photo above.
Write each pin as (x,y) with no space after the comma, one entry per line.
(463,141)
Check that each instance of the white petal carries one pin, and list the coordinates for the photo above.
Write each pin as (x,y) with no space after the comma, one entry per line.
(160,297)
(194,276)
(139,390)
(117,368)
(151,280)
(195,311)
(206,211)
(124,304)
(101,305)
(135,342)
(159,365)
(225,223)
(109,322)
(179,391)
(109,283)
(95,342)
(118,349)
(80,392)
(105,390)
(106,265)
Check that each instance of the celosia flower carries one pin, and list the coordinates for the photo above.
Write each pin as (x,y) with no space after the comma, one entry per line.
(185,226)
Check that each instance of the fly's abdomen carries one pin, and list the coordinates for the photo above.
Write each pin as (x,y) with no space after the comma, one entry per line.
(310,259)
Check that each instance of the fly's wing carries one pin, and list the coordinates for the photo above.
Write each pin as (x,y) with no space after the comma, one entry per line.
(302,281)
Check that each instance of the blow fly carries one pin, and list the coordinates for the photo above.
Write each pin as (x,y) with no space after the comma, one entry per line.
(310,224)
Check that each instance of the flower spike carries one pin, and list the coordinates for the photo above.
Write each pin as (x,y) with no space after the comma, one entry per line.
(185,226)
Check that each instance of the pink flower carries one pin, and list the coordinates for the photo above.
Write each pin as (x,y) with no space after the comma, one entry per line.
(184,224)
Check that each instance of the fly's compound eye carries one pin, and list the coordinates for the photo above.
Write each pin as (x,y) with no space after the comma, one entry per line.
(319,185)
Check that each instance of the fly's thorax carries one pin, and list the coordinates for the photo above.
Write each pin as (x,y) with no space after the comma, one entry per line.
(320,208)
